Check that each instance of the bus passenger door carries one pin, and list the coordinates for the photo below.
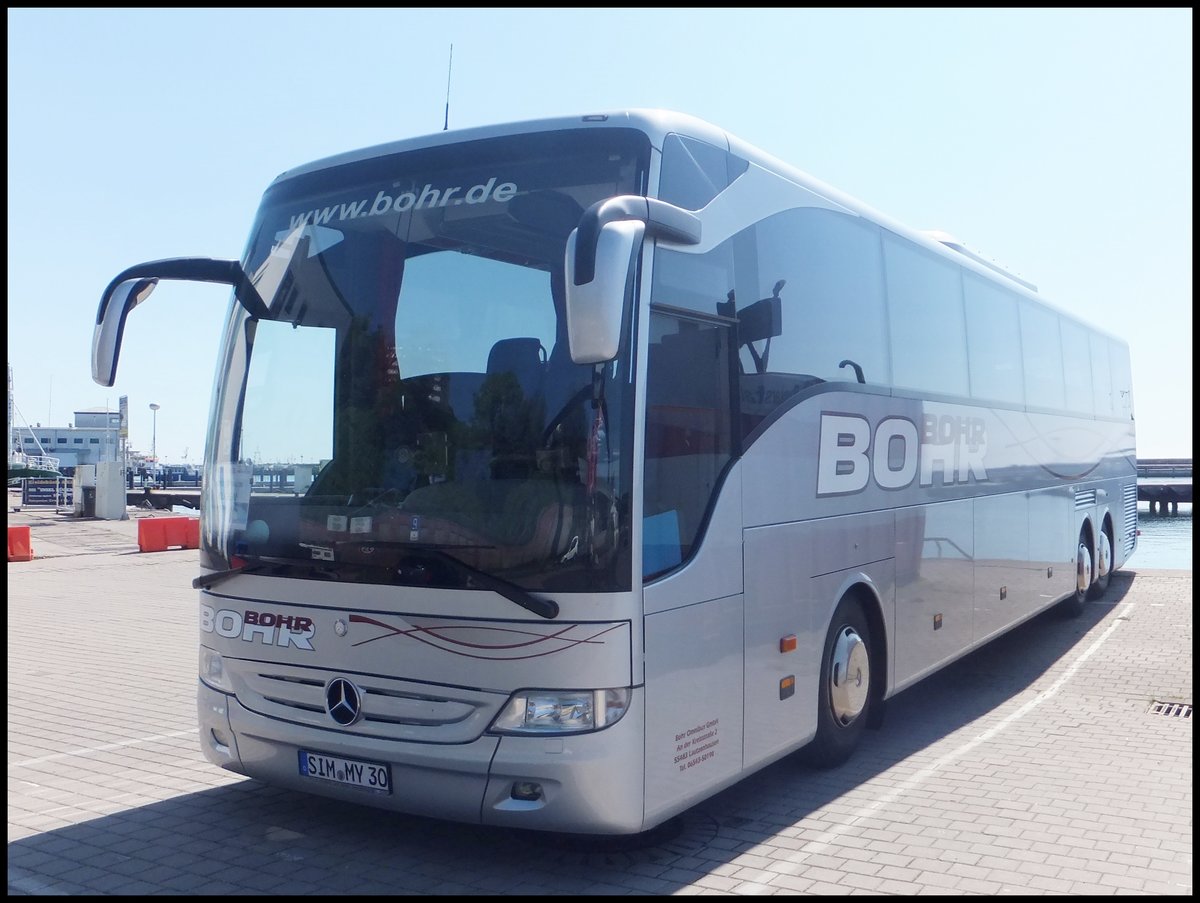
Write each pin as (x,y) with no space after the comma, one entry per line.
(692,563)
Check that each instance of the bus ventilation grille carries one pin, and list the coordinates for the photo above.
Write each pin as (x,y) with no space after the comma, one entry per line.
(1171,709)
(1131,517)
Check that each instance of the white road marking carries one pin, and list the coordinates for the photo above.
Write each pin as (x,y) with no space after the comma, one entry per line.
(821,843)
(98,749)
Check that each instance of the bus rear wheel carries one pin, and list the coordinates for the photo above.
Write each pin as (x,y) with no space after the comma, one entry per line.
(845,693)
(1073,605)
(1104,562)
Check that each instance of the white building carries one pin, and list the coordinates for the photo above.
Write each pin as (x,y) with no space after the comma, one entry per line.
(92,438)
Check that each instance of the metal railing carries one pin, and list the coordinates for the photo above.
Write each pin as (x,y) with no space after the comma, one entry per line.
(44,462)
(1170,468)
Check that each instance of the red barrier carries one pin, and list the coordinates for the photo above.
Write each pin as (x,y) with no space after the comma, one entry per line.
(19,547)
(157,534)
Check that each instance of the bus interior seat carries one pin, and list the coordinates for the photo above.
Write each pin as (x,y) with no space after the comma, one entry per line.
(524,357)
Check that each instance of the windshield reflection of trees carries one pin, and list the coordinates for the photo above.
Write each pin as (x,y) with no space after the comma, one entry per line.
(474,465)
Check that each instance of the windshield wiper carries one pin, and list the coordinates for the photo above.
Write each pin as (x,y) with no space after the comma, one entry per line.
(257,563)
(546,608)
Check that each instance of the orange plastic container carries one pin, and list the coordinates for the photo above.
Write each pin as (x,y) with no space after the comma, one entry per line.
(157,534)
(19,547)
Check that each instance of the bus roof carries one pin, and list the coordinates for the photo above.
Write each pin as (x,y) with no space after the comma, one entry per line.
(657,124)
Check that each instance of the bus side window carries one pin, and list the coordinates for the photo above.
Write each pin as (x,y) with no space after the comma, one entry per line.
(688,433)
(826,270)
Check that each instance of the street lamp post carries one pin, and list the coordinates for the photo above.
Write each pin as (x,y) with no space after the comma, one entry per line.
(154,438)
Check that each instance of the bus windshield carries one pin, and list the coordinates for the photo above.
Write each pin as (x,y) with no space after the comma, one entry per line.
(409,412)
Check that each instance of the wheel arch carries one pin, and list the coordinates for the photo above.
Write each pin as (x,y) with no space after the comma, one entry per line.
(1087,530)
(1107,523)
(864,591)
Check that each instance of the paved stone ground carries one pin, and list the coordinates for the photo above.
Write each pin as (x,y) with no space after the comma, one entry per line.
(1034,766)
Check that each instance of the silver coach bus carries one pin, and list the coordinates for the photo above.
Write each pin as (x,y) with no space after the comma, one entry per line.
(639,460)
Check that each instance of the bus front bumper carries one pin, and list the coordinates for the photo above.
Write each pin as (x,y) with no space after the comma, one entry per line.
(587,783)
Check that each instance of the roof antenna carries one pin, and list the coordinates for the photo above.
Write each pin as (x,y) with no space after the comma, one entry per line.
(448,70)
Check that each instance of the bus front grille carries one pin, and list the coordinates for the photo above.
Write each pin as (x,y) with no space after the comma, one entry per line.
(390,708)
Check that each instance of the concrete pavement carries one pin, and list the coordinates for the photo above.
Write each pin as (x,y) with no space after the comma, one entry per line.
(1034,766)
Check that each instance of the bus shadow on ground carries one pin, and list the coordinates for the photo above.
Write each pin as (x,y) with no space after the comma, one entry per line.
(250,838)
(920,716)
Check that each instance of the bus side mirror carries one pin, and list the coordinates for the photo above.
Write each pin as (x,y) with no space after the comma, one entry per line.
(594,309)
(599,265)
(115,306)
(134,285)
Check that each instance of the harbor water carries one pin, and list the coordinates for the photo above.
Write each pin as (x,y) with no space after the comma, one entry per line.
(1165,540)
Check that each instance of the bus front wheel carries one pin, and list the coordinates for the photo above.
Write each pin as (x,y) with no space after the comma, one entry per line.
(844,703)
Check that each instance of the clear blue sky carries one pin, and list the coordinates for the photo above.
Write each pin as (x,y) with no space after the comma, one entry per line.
(1057,142)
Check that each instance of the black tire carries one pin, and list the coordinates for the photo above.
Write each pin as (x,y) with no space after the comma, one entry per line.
(845,692)
(1102,572)
(1085,571)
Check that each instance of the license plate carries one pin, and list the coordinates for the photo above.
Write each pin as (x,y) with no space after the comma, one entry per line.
(372,776)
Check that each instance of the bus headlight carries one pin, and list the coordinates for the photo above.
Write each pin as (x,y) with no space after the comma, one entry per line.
(212,670)
(561,711)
